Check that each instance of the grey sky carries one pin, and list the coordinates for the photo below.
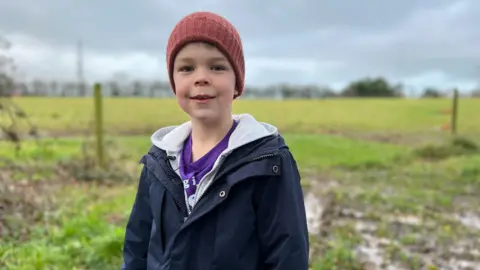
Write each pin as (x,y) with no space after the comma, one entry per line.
(428,42)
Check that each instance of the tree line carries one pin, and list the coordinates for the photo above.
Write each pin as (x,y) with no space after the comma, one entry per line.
(364,87)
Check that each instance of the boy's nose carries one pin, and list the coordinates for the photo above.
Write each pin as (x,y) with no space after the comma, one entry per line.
(202,82)
(201,78)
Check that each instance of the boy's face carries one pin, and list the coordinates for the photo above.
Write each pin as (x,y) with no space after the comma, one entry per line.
(204,82)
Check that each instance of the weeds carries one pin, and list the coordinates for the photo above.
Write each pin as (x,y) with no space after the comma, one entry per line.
(456,147)
(28,189)
(22,205)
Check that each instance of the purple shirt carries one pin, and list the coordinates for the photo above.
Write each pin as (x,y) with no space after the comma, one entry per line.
(193,172)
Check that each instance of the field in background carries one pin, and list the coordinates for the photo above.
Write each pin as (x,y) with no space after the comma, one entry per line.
(384,185)
(139,115)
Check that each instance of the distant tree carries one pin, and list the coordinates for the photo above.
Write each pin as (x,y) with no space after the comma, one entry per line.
(287,90)
(269,91)
(82,89)
(475,93)
(156,88)
(68,88)
(22,88)
(307,92)
(431,92)
(322,91)
(115,88)
(137,88)
(7,68)
(327,92)
(63,89)
(372,87)
(398,90)
(39,87)
(53,87)
(119,83)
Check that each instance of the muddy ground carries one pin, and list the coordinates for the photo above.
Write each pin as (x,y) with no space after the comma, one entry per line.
(396,239)
(393,235)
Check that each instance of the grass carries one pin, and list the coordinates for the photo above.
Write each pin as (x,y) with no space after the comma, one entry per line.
(87,231)
(323,151)
(381,196)
(142,115)
(318,151)
(82,235)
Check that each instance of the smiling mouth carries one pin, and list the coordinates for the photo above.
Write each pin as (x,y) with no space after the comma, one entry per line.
(202,97)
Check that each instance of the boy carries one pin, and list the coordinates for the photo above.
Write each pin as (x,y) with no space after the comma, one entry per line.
(221,191)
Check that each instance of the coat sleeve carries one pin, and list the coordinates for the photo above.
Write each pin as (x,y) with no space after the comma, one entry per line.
(137,235)
(281,219)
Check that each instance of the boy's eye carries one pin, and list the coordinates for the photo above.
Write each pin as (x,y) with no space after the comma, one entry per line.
(219,67)
(185,69)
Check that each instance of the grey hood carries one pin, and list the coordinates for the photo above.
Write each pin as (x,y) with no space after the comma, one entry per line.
(171,140)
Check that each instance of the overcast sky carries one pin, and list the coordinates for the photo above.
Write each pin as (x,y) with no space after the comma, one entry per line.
(427,42)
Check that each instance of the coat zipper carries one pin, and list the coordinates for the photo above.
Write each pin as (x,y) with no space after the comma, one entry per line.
(179,204)
(264,156)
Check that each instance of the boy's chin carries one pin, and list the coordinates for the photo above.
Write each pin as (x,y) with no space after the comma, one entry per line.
(207,117)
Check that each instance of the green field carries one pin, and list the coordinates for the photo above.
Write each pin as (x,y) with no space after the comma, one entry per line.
(379,176)
(139,115)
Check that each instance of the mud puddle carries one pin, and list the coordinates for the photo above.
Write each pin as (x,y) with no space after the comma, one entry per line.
(469,219)
(412,248)
(314,209)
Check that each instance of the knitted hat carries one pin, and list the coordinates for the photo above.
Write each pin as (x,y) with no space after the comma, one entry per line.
(211,28)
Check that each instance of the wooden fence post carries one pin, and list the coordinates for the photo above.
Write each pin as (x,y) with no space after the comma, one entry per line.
(453,125)
(97,96)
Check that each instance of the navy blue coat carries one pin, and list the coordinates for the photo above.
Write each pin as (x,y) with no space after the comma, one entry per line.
(252,217)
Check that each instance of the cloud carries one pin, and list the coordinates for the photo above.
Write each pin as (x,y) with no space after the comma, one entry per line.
(37,59)
(433,42)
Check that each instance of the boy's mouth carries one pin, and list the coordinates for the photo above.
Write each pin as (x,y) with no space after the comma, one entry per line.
(202,97)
